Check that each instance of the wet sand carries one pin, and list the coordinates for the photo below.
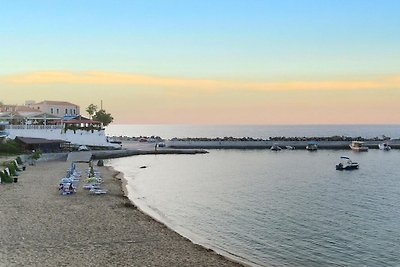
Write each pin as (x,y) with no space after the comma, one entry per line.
(39,227)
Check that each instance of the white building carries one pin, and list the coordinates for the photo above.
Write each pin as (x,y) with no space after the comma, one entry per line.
(56,108)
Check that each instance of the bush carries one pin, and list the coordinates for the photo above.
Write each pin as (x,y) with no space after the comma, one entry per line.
(5,178)
(36,155)
(10,147)
(11,168)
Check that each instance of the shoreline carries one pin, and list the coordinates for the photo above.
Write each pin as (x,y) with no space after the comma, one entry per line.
(41,227)
(120,176)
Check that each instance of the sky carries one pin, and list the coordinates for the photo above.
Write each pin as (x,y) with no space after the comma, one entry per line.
(207,62)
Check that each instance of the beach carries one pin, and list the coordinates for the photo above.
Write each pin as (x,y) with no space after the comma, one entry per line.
(40,227)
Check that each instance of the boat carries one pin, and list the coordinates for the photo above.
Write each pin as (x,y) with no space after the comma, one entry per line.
(346,164)
(290,147)
(384,146)
(275,147)
(312,146)
(358,146)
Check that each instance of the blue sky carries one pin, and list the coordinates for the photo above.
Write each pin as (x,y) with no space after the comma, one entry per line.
(218,62)
(249,40)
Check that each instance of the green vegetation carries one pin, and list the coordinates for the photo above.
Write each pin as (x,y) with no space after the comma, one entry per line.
(12,169)
(91,110)
(99,115)
(10,147)
(36,155)
(104,117)
(5,178)
(16,166)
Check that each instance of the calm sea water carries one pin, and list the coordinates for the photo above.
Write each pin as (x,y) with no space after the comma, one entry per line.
(287,208)
(256,131)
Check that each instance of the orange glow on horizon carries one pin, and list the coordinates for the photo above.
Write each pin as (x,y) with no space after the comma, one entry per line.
(145,99)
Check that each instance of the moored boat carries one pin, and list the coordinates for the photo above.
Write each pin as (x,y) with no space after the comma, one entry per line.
(358,146)
(312,146)
(384,146)
(275,147)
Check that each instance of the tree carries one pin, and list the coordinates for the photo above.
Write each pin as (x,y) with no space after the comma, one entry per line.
(103,116)
(91,110)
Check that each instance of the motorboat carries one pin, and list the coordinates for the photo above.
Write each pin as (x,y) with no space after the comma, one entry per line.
(290,147)
(358,146)
(312,146)
(384,146)
(346,164)
(275,147)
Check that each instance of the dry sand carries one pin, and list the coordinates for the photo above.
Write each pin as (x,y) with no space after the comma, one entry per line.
(39,227)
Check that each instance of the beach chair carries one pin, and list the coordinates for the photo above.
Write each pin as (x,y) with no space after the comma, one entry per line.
(98,191)
(67,189)
(19,167)
(7,171)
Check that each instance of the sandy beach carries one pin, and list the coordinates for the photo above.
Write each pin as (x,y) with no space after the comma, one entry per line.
(39,227)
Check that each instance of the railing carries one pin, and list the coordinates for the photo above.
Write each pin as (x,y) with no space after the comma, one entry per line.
(34,127)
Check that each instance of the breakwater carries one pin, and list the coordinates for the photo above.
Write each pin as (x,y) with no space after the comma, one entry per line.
(107,154)
(266,144)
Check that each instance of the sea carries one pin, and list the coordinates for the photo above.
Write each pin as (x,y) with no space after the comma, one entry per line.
(267,208)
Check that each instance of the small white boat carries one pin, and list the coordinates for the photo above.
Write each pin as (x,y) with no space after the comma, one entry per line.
(312,146)
(346,164)
(358,146)
(290,147)
(275,147)
(384,146)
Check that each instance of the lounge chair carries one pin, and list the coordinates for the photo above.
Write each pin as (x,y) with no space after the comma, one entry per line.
(98,191)
(19,167)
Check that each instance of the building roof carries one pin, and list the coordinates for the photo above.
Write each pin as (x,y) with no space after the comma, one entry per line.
(50,102)
(36,141)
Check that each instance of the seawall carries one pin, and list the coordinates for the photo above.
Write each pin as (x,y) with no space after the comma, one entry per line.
(395,144)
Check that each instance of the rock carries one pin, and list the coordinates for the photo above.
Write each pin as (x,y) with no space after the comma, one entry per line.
(100,163)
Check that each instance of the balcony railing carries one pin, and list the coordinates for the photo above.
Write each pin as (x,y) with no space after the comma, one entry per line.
(34,127)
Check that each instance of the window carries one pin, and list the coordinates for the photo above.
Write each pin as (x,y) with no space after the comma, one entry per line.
(51,110)
(74,111)
(66,111)
(58,111)
(70,111)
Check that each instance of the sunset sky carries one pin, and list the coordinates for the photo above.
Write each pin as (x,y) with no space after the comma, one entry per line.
(207,62)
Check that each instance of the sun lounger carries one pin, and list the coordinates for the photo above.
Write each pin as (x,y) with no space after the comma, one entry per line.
(19,167)
(98,191)
(67,189)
